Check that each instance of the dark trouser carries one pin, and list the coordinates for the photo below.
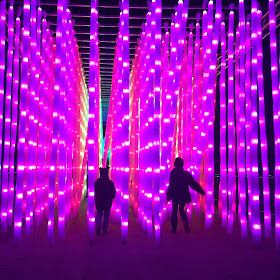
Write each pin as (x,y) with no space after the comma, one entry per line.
(174,218)
(99,216)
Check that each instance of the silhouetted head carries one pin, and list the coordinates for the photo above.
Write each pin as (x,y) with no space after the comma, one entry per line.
(179,162)
(104,172)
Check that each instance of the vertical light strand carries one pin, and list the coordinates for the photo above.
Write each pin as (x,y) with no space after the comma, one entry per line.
(24,90)
(242,123)
(165,120)
(37,190)
(48,120)
(230,120)
(210,111)
(41,162)
(125,110)
(275,97)
(263,136)
(248,113)
(223,128)
(150,122)
(93,117)
(33,111)
(237,120)
(157,86)
(14,126)
(55,126)
(62,130)
(7,119)
(255,197)
(2,69)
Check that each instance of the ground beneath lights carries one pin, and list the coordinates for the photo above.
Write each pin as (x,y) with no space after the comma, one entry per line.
(200,255)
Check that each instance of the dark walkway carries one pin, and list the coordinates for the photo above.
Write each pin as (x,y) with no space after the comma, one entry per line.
(199,255)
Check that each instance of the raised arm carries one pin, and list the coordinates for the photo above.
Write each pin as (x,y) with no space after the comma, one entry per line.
(195,186)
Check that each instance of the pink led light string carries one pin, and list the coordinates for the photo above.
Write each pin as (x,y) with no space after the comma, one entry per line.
(210,115)
(242,123)
(263,136)
(223,128)
(157,88)
(230,120)
(41,158)
(275,97)
(2,77)
(93,156)
(56,106)
(134,132)
(22,122)
(109,122)
(7,119)
(237,119)
(32,124)
(248,113)
(117,126)
(150,111)
(14,123)
(255,225)
(62,130)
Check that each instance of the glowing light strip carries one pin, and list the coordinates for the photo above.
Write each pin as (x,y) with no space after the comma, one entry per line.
(255,226)
(263,136)
(41,161)
(157,84)
(56,108)
(275,97)
(248,112)
(14,123)
(24,91)
(32,130)
(242,148)
(125,111)
(2,66)
(38,89)
(230,119)
(62,129)
(93,119)
(210,118)
(223,128)
(7,119)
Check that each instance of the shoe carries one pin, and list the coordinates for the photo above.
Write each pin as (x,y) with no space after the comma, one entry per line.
(98,231)
(105,232)
(173,231)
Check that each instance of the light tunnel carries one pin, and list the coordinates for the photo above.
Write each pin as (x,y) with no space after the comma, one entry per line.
(202,88)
